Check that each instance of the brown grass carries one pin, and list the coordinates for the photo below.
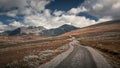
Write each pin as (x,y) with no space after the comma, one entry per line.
(97,29)
(109,47)
(18,39)
(105,38)
(10,54)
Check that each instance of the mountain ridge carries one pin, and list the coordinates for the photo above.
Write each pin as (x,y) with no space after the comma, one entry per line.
(40,30)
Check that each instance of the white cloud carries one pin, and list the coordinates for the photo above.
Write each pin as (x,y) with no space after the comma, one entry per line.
(12,13)
(97,7)
(103,8)
(39,4)
(3,26)
(104,19)
(116,5)
(37,15)
(11,26)
(16,24)
(26,7)
(77,10)
(47,13)
(58,13)
(47,20)
(50,21)
(77,20)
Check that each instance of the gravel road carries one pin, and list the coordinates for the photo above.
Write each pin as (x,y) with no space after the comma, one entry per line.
(80,57)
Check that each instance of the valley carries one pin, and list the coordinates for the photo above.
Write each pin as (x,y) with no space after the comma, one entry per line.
(103,37)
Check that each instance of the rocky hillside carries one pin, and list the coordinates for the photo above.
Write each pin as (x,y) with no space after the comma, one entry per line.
(60,30)
(25,31)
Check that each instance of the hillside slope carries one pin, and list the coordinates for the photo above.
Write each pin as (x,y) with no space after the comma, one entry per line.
(97,29)
(104,37)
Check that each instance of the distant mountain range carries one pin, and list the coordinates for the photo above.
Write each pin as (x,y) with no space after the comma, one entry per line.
(58,31)
(40,31)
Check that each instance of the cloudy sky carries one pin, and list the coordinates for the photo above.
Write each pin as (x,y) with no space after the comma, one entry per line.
(54,13)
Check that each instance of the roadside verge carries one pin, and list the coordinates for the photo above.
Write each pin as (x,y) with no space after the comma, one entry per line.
(98,58)
(55,61)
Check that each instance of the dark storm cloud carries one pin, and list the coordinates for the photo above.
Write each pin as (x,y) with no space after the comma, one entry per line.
(8,4)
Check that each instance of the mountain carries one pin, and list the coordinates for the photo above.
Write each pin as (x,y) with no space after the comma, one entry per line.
(40,31)
(60,30)
(26,31)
